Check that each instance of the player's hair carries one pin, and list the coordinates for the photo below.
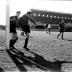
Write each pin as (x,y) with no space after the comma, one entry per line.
(28,12)
(18,12)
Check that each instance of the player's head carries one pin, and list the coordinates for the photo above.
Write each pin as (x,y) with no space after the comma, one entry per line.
(29,13)
(62,20)
(18,13)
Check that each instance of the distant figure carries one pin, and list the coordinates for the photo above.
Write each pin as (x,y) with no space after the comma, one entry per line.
(23,22)
(48,28)
(13,26)
(22,33)
(61,29)
(1,70)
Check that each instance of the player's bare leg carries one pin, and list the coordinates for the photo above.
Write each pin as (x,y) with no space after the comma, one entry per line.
(49,31)
(62,35)
(58,35)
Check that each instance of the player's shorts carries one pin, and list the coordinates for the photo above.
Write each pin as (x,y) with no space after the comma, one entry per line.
(61,30)
(48,28)
(13,30)
(26,28)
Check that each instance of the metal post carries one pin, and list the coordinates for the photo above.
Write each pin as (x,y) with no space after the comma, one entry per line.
(7,24)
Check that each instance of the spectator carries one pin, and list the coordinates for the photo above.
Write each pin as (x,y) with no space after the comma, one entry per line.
(48,28)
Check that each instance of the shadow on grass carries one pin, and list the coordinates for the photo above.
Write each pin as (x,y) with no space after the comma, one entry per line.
(20,60)
(17,62)
(1,70)
(67,40)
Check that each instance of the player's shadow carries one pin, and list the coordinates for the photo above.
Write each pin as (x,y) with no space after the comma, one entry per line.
(20,59)
(17,62)
(1,70)
(67,40)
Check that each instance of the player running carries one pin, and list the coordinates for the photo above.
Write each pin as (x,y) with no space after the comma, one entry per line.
(61,29)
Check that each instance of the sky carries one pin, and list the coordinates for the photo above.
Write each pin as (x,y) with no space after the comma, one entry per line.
(25,5)
(2,12)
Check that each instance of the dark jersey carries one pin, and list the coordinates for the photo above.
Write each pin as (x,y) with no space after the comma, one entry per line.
(23,23)
(61,25)
(13,20)
(24,20)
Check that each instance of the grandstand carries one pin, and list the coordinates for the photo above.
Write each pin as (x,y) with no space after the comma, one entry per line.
(46,17)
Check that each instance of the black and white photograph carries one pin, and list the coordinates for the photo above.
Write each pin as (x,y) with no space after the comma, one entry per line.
(35,36)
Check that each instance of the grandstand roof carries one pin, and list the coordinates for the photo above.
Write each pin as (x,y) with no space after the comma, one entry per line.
(51,12)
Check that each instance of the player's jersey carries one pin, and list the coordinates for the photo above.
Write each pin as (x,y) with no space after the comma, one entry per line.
(22,21)
(13,20)
(49,26)
(61,25)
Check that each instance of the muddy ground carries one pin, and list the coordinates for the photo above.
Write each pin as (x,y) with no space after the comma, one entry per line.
(45,45)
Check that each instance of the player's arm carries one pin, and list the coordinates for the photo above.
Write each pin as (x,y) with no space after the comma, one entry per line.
(11,18)
(59,26)
(32,20)
(64,24)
